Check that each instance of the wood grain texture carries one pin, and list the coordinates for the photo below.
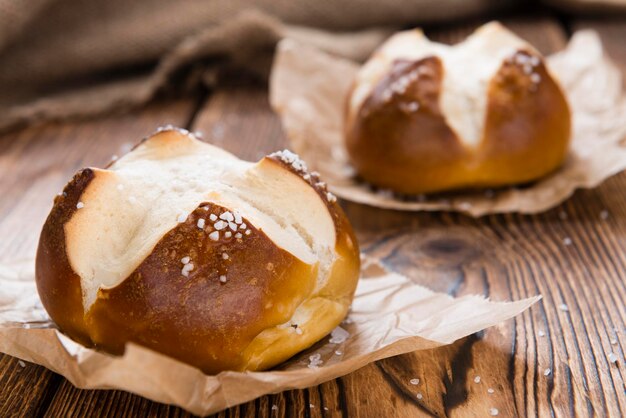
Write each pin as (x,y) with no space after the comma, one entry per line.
(574,255)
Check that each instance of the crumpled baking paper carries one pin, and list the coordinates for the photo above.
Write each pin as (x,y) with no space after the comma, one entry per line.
(308,90)
(390,315)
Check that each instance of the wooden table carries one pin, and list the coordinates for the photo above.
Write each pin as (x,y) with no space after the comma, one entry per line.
(548,361)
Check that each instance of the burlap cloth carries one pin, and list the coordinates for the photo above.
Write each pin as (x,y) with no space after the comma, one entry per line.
(63,58)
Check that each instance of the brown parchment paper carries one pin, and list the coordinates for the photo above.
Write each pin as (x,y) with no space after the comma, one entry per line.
(390,315)
(308,90)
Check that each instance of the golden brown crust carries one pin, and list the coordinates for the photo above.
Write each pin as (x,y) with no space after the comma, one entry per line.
(342,285)
(399,139)
(528,124)
(58,285)
(198,318)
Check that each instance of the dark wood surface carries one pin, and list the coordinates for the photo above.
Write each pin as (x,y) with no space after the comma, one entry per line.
(574,255)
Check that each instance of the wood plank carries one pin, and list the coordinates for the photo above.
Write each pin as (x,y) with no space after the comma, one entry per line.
(35,164)
(25,388)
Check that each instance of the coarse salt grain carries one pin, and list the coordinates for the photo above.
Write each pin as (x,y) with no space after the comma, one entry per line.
(219,225)
(238,218)
(412,106)
(228,234)
(325,408)
(311,406)
(535,78)
(477,379)
(567,241)
(243,226)
(541,333)
(338,335)
(223,278)
(299,331)
(493,412)
(490,390)
(547,372)
(168,127)
(612,358)
(563,307)
(185,260)
(338,352)
(201,223)
(238,235)
(21,363)
(274,408)
(225,256)
(248,232)
(213,217)
(291,159)
(414,382)
(419,395)
(604,214)
(613,341)
(214,235)
(331,197)
(227,216)
(181,218)
(80,205)
(232,226)
(186,269)
(315,361)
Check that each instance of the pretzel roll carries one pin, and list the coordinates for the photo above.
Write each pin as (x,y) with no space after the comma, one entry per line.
(183,248)
(425,117)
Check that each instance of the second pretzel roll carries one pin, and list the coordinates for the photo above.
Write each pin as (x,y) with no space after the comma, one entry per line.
(425,117)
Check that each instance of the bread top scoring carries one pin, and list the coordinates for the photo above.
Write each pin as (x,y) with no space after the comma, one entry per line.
(128,207)
(468,68)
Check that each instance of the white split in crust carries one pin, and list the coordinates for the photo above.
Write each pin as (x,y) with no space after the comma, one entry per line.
(170,175)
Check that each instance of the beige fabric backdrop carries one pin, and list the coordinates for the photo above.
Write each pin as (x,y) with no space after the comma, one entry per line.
(61,58)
